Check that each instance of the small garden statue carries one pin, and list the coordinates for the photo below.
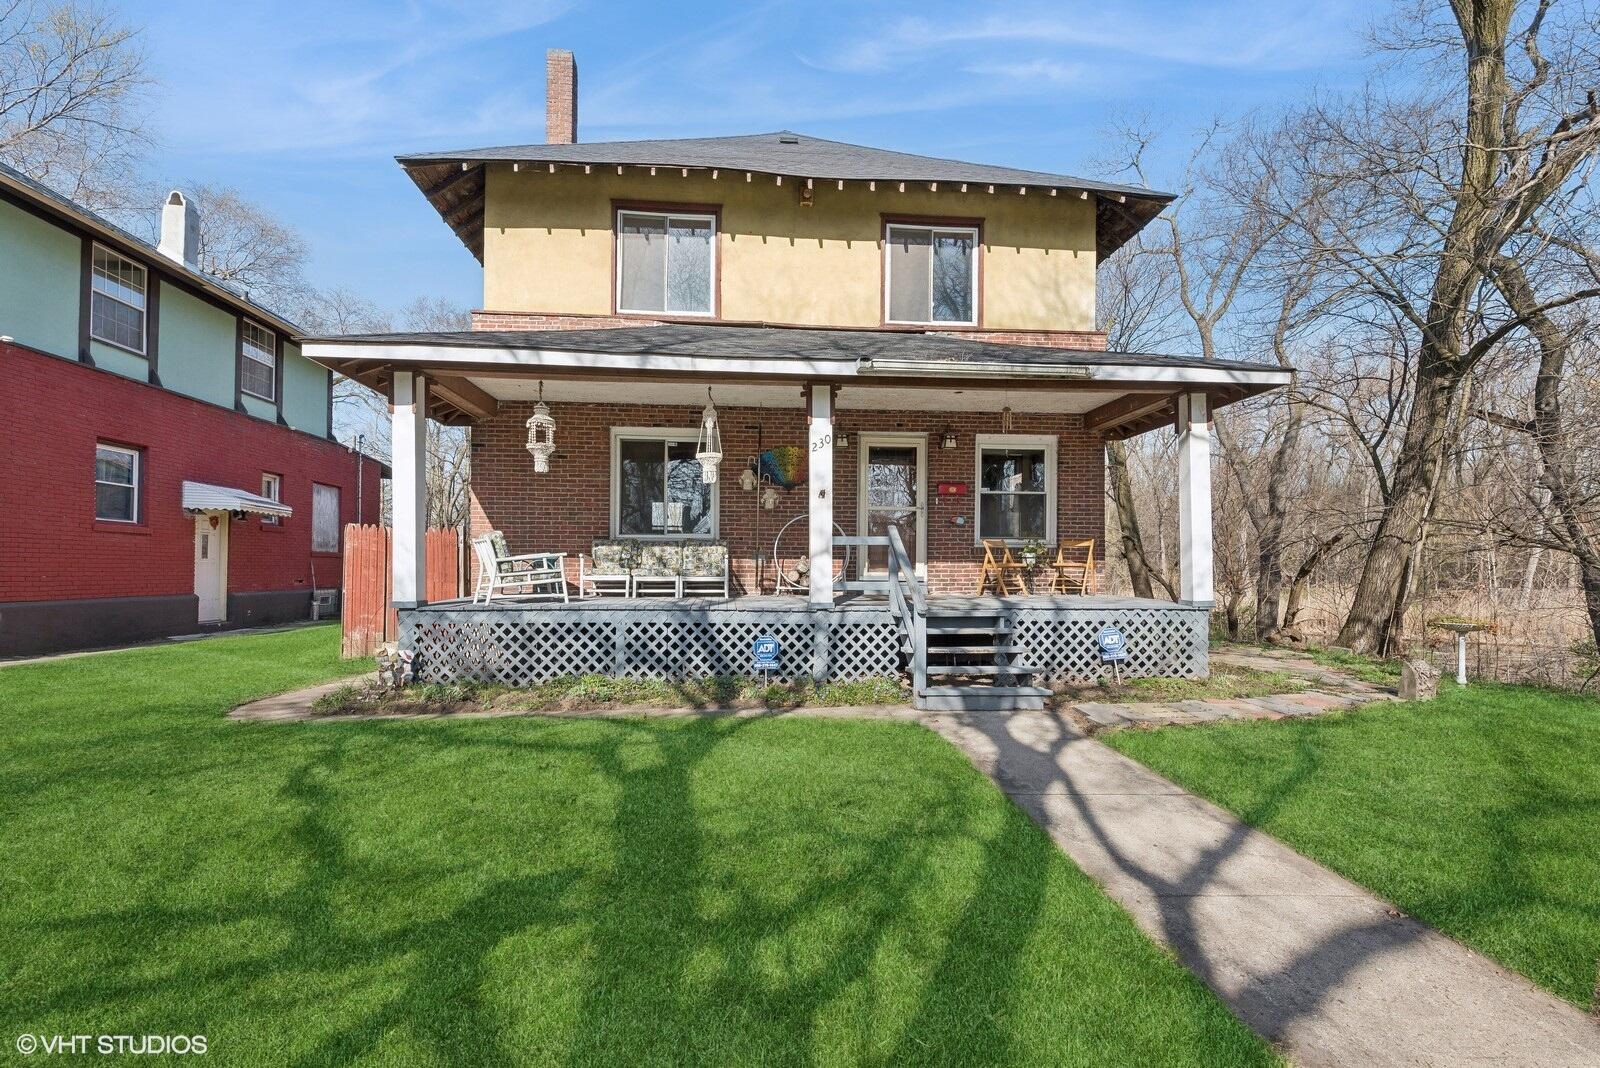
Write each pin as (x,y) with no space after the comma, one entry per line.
(1419,681)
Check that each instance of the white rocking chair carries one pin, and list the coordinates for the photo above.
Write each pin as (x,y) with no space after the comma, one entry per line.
(532,575)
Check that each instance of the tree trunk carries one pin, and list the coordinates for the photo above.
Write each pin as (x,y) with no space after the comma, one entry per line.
(1302,580)
(1128,520)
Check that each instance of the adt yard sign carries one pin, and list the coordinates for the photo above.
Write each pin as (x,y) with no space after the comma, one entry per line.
(1113,646)
(766,653)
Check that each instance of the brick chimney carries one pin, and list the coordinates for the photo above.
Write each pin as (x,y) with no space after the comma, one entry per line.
(560,97)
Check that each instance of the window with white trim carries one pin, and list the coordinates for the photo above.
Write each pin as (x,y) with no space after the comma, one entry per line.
(1016,487)
(116,483)
(324,518)
(117,288)
(258,362)
(666,263)
(657,488)
(930,274)
(272,490)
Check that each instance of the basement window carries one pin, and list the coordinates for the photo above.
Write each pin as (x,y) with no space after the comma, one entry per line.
(117,300)
(258,362)
(930,274)
(666,263)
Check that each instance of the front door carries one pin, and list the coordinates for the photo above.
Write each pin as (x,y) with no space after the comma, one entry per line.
(894,471)
(211,566)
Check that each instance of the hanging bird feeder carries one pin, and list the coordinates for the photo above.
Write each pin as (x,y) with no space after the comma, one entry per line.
(541,434)
(709,449)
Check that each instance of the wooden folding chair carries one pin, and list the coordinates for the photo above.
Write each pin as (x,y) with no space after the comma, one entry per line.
(1074,567)
(1004,570)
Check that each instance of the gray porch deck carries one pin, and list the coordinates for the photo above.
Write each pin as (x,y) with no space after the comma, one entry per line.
(523,642)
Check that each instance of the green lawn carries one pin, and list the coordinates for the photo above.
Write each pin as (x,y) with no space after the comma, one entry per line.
(1476,812)
(529,890)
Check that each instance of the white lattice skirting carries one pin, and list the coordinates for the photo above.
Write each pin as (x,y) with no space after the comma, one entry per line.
(523,647)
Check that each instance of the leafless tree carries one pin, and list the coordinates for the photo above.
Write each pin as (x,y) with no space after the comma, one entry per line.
(72,88)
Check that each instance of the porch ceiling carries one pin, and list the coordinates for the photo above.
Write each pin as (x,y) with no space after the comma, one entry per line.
(850,398)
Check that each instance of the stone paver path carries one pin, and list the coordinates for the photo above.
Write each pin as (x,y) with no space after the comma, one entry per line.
(1328,689)
(1325,970)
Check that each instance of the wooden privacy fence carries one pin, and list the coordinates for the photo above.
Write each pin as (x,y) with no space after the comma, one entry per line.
(368,617)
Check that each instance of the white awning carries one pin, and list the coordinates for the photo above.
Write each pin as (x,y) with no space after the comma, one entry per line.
(204,497)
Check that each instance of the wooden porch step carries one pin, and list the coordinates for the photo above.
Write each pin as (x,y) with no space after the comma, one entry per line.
(1019,670)
(965,625)
(998,649)
(982,698)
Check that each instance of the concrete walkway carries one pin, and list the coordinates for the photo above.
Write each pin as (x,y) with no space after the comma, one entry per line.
(1326,971)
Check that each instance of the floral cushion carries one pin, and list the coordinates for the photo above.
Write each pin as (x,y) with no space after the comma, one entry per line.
(704,559)
(612,558)
(659,558)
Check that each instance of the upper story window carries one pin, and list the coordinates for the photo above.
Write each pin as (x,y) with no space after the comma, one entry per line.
(666,262)
(116,483)
(258,362)
(272,490)
(117,290)
(931,274)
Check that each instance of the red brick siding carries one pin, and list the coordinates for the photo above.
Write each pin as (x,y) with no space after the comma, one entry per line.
(1094,340)
(568,508)
(53,411)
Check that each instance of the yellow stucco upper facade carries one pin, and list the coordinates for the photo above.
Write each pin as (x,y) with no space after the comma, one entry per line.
(549,245)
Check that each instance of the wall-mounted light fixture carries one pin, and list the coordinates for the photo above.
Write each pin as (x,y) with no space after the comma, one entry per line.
(841,440)
(947,439)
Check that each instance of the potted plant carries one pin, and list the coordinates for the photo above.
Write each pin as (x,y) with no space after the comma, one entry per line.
(1032,551)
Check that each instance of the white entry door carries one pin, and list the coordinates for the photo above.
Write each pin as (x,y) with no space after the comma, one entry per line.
(211,566)
(892,491)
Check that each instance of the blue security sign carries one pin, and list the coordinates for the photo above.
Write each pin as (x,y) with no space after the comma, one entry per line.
(766,653)
(1113,646)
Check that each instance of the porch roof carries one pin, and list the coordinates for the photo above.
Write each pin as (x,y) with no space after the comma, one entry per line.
(1121,392)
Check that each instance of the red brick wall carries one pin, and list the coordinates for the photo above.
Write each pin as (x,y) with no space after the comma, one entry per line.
(53,411)
(568,508)
(1094,340)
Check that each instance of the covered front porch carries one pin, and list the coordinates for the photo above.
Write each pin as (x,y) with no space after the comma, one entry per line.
(858,478)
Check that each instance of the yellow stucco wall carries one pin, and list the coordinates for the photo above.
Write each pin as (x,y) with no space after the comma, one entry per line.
(548,246)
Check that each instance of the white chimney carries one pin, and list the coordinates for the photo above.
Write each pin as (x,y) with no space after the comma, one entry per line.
(180,229)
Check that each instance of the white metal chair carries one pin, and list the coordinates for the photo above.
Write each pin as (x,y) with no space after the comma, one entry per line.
(540,575)
(607,570)
(704,571)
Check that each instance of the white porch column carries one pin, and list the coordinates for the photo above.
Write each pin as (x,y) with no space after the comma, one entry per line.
(408,442)
(1194,499)
(819,487)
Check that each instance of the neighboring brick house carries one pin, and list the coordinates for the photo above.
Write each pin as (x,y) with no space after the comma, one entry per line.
(920,331)
(173,462)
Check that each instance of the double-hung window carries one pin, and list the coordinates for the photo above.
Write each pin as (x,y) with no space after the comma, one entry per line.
(1016,487)
(116,483)
(657,489)
(117,289)
(258,362)
(324,518)
(666,263)
(272,490)
(930,274)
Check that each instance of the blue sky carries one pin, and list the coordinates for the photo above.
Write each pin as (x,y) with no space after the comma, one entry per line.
(301,106)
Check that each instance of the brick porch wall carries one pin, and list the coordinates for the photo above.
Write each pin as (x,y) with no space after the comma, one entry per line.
(568,508)
(1094,340)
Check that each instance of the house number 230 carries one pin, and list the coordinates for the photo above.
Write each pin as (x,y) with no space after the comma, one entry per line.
(824,440)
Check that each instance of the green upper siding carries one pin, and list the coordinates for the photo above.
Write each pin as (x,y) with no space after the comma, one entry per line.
(196,347)
(305,392)
(39,278)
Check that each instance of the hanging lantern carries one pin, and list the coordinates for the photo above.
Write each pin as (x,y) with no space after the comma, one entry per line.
(709,449)
(747,479)
(769,498)
(541,434)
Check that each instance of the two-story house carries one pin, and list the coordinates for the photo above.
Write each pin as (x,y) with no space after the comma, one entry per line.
(909,397)
(172,461)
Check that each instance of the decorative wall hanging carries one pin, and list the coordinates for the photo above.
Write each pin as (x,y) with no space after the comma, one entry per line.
(784,466)
(541,434)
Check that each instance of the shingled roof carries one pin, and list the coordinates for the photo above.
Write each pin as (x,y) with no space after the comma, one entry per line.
(454,181)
